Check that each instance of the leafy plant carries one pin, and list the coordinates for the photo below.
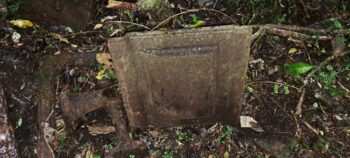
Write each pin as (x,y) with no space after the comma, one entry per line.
(321,144)
(336,24)
(255,2)
(168,154)
(195,22)
(62,140)
(276,88)
(132,156)
(97,156)
(281,18)
(328,77)
(108,147)
(129,14)
(286,152)
(105,73)
(227,134)
(14,7)
(182,136)
(286,89)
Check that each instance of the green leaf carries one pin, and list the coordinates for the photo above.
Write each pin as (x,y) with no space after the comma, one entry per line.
(19,123)
(297,69)
(276,88)
(198,23)
(194,18)
(250,89)
(182,136)
(292,51)
(109,74)
(286,89)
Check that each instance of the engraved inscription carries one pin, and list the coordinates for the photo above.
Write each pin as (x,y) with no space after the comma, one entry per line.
(182,51)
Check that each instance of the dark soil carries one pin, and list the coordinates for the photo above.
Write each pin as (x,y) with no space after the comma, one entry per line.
(273,108)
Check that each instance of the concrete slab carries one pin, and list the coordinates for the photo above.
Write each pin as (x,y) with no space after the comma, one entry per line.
(182,77)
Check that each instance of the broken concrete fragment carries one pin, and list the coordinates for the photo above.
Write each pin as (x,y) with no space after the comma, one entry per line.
(75,105)
(7,137)
(182,77)
(157,10)
(75,14)
(100,129)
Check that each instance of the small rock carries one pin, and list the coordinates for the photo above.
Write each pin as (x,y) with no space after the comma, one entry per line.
(156,154)
(96,129)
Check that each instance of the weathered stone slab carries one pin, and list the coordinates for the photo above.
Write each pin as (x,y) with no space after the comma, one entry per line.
(73,13)
(183,77)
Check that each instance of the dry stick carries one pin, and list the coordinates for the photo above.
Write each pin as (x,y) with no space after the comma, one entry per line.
(132,23)
(343,87)
(337,52)
(300,102)
(192,11)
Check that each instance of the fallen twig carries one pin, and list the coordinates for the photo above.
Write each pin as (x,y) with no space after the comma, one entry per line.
(343,87)
(298,108)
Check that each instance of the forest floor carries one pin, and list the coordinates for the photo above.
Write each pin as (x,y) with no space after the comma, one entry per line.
(283,72)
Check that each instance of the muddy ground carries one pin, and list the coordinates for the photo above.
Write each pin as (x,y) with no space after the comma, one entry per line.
(270,98)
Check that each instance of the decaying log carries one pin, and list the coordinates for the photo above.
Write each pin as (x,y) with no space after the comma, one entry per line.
(7,138)
(75,105)
(49,68)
